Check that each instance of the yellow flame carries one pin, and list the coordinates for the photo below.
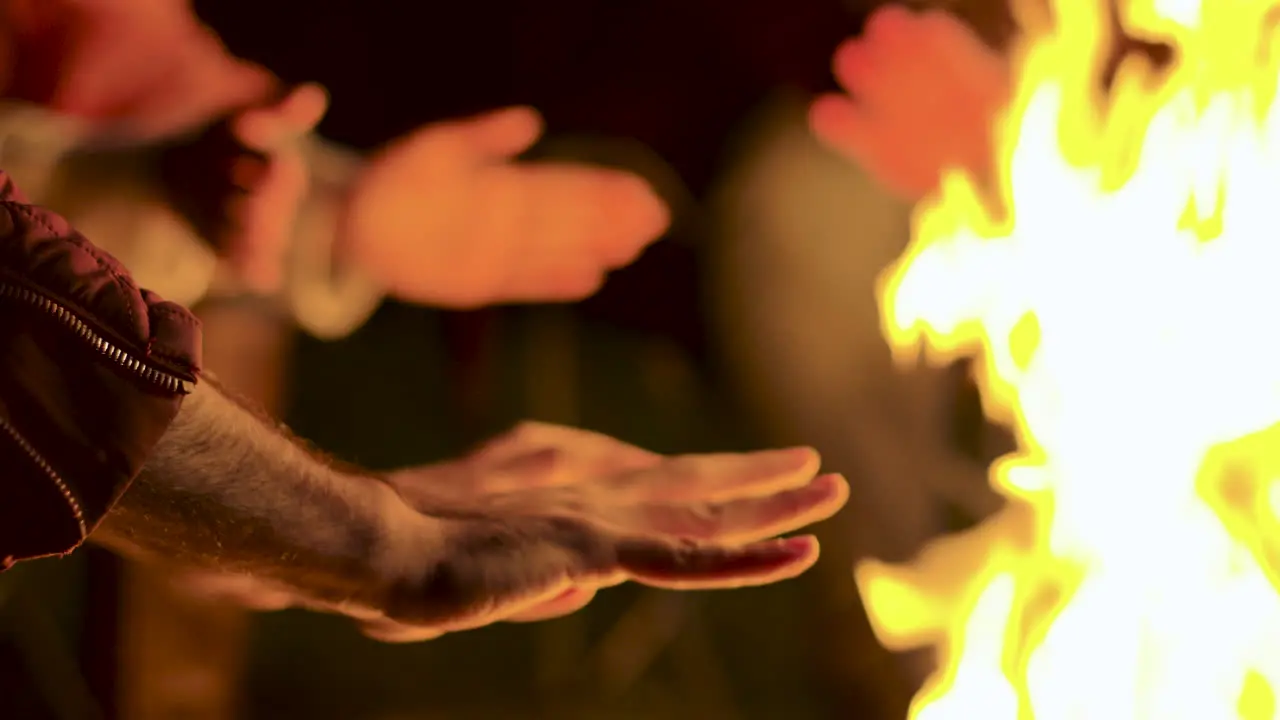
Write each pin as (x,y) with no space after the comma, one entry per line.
(1124,306)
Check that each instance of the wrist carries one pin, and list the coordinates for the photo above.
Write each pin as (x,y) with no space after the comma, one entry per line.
(329,293)
(405,543)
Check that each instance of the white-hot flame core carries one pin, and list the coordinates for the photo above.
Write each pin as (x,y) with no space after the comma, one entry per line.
(1127,316)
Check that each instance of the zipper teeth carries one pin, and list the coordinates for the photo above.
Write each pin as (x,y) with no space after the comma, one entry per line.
(52,474)
(165,380)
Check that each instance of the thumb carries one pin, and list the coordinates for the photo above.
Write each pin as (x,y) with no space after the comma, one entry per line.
(270,126)
(504,133)
(838,122)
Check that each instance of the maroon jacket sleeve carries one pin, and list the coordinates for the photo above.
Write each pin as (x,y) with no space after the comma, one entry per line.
(92,371)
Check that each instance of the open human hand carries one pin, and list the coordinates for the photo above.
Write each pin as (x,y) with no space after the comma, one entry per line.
(448,216)
(923,94)
(535,522)
(546,515)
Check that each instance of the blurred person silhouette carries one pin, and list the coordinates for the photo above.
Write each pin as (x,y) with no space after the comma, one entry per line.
(817,204)
(812,231)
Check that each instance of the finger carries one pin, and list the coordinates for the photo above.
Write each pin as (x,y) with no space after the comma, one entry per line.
(854,65)
(262,222)
(580,221)
(874,64)
(273,181)
(567,603)
(567,283)
(717,477)
(500,134)
(558,276)
(509,211)
(689,567)
(946,37)
(939,62)
(884,68)
(894,24)
(266,128)
(742,521)
(608,214)
(635,217)
(841,123)
(885,149)
(543,468)
(390,631)
(583,451)
(932,60)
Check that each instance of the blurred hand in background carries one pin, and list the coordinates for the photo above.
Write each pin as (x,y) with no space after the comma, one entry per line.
(923,92)
(447,215)
(144,68)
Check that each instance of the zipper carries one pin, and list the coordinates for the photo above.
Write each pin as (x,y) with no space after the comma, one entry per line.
(50,473)
(163,379)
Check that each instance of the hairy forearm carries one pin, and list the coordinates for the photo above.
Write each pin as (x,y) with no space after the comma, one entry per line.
(226,490)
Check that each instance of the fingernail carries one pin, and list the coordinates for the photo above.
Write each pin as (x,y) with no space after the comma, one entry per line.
(793,459)
(800,547)
(836,486)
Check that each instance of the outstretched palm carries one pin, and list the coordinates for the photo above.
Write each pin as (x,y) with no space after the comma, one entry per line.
(537,521)
(563,512)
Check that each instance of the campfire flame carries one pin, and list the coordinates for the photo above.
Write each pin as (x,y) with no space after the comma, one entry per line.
(1123,306)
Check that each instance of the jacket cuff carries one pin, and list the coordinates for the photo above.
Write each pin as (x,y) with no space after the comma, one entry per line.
(92,371)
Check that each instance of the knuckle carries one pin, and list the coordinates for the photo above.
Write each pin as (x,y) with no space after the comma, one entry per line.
(525,429)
